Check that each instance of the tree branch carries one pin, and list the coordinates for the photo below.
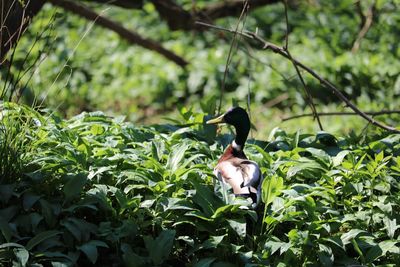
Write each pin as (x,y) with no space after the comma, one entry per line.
(366,21)
(279,50)
(226,8)
(371,113)
(179,19)
(176,17)
(130,36)
(306,91)
(130,4)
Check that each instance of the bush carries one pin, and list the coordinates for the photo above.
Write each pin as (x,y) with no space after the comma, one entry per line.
(100,191)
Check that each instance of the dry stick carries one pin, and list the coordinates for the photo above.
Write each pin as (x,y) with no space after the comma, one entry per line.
(371,113)
(229,58)
(38,60)
(326,83)
(6,85)
(123,32)
(306,91)
(286,46)
(368,19)
(22,74)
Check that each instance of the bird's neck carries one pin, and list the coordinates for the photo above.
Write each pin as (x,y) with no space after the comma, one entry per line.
(231,152)
(240,139)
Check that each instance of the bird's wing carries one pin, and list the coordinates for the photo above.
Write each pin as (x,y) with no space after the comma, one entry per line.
(251,173)
(232,175)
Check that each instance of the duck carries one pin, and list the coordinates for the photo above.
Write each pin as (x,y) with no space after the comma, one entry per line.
(233,167)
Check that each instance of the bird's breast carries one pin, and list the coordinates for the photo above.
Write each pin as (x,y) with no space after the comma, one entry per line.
(241,177)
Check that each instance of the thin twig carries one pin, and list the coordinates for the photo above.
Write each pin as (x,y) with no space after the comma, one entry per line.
(308,96)
(367,22)
(277,100)
(22,73)
(279,50)
(286,46)
(229,58)
(371,113)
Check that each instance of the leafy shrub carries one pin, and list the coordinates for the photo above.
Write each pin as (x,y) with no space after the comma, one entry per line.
(95,190)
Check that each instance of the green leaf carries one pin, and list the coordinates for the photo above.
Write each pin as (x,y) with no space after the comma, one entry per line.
(11,245)
(391,226)
(239,226)
(176,156)
(73,229)
(305,167)
(22,256)
(274,246)
(59,264)
(74,186)
(29,199)
(206,199)
(160,248)
(96,129)
(319,154)
(90,249)
(5,230)
(325,255)
(206,262)
(8,213)
(338,159)
(271,188)
(389,246)
(212,242)
(357,249)
(6,191)
(350,235)
(39,238)
(131,259)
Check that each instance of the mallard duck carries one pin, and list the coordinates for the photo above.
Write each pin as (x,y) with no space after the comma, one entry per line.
(233,167)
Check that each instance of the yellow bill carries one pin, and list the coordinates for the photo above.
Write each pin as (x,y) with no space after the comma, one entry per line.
(217,120)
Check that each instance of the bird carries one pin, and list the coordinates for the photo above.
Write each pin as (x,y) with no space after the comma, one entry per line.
(233,167)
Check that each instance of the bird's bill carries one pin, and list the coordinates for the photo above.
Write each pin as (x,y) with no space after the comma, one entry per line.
(217,120)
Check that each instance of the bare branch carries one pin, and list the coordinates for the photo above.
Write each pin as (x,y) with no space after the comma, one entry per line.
(367,22)
(130,36)
(178,18)
(229,58)
(223,9)
(279,50)
(371,113)
(308,97)
(131,4)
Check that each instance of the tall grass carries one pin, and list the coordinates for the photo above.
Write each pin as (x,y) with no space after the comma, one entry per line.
(16,139)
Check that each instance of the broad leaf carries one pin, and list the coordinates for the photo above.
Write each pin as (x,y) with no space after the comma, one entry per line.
(160,248)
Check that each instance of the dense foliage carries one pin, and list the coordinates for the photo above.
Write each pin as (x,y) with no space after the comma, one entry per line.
(94,190)
(100,190)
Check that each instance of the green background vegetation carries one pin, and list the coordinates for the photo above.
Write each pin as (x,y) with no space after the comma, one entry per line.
(115,166)
(106,73)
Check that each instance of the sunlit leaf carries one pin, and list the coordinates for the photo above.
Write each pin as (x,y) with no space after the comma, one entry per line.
(271,188)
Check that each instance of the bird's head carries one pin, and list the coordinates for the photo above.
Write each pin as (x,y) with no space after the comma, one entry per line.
(239,118)
(235,116)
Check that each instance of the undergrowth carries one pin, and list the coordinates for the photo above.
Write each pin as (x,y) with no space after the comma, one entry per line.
(95,190)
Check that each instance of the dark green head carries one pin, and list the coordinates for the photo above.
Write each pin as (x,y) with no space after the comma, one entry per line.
(239,118)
